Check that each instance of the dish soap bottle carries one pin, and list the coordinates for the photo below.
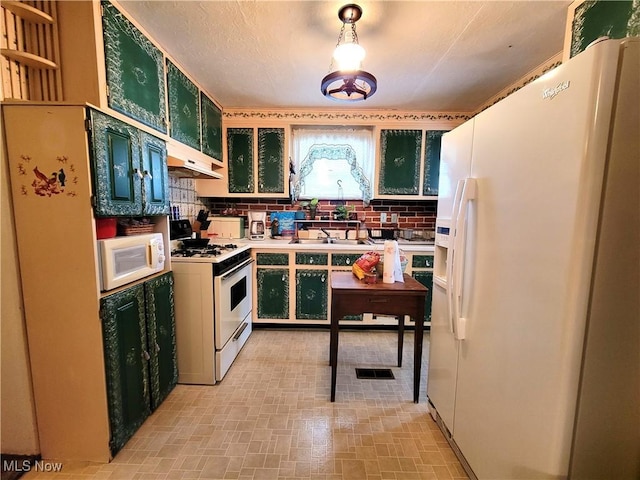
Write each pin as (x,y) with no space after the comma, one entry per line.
(274,227)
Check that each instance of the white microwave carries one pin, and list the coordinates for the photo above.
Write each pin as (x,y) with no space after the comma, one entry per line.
(125,259)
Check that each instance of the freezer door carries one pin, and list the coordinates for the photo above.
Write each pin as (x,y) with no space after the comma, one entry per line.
(538,157)
(443,358)
(455,164)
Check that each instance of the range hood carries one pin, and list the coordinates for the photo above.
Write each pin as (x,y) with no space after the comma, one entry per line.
(187,162)
(187,168)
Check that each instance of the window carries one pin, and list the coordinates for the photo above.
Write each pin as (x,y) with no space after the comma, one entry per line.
(334,163)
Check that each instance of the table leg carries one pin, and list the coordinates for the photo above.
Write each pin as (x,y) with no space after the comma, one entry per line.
(417,355)
(400,338)
(333,352)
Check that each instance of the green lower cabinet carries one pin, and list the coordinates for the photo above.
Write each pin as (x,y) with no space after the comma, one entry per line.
(303,258)
(126,357)
(138,328)
(426,279)
(161,337)
(312,294)
(272,258)
(273,293)
(344,259)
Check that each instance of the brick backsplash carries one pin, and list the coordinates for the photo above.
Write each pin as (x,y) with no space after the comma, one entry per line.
(412,214)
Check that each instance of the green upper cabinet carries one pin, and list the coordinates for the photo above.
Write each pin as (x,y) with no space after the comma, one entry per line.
(125,351)
(184,107)
(155,175)
(432,162)
(271,160)
(211,128)
(598,18)
(135,70)
(116,166)
(129,168)
(240,160)
(399,162)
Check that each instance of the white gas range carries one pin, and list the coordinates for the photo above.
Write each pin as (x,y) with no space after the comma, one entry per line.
(212,307)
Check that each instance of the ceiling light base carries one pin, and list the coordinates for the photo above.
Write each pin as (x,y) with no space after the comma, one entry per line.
(350,13)
(349,86)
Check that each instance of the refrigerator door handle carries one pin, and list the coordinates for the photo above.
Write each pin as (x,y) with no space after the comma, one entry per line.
(468,194)
(451,254)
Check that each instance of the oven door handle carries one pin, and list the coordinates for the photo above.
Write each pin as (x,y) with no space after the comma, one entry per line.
(231,272)
(240,330)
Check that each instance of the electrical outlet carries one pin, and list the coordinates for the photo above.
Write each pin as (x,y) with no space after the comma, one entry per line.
(394,218)
(383,217)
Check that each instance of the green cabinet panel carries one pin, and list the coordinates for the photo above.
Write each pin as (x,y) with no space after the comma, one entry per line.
(422,261)
(433,143)
(344,259)
(240,160)
(426,279)
(400,162)
(135,70)
(115,162)
(271,160)
(155,175)
(125,349)
(161,337)
(272,258)
(312,294)
(184,107)
(273,293)
(129,167)
(312,258)
(211,127)
(597,18)
(138,326)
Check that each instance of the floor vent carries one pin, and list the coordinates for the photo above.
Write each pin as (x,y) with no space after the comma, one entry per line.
(375,373)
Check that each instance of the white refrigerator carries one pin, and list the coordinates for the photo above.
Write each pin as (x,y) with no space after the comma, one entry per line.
(534,361)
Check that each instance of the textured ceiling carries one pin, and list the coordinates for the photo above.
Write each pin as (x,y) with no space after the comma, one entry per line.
(426,55)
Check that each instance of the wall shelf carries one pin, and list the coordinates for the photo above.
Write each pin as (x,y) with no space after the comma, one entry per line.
(27,12)
(28,59)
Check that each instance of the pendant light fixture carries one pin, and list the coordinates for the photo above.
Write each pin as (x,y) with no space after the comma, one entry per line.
(347,81)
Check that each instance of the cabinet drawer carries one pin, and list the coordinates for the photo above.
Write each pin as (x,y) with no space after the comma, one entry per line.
(272,258)
(312,258)
(422,261)
(344,259)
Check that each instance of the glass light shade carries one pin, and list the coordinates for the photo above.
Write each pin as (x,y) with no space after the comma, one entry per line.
(349,56)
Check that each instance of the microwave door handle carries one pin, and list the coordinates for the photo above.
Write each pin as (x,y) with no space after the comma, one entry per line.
(152,258)
(231,272)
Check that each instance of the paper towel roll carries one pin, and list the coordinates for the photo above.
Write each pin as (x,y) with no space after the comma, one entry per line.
(390,250)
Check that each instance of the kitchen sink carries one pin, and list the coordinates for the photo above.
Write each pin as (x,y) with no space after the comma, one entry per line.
(330,241)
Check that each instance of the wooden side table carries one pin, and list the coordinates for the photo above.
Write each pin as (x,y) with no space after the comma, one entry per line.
(350,296)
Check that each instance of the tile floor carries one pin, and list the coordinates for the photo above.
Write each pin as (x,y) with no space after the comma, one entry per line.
(271,418)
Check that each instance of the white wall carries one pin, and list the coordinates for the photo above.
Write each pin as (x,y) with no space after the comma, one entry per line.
(19,430)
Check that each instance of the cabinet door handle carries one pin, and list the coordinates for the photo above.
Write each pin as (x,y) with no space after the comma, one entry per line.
(157,347)
(137,172)
(146,355)
(348,261)
(147,174)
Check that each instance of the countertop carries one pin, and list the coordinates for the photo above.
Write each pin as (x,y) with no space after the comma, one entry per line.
(272,244)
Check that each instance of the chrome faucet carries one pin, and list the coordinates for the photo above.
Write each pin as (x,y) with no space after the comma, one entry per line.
(329,238)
